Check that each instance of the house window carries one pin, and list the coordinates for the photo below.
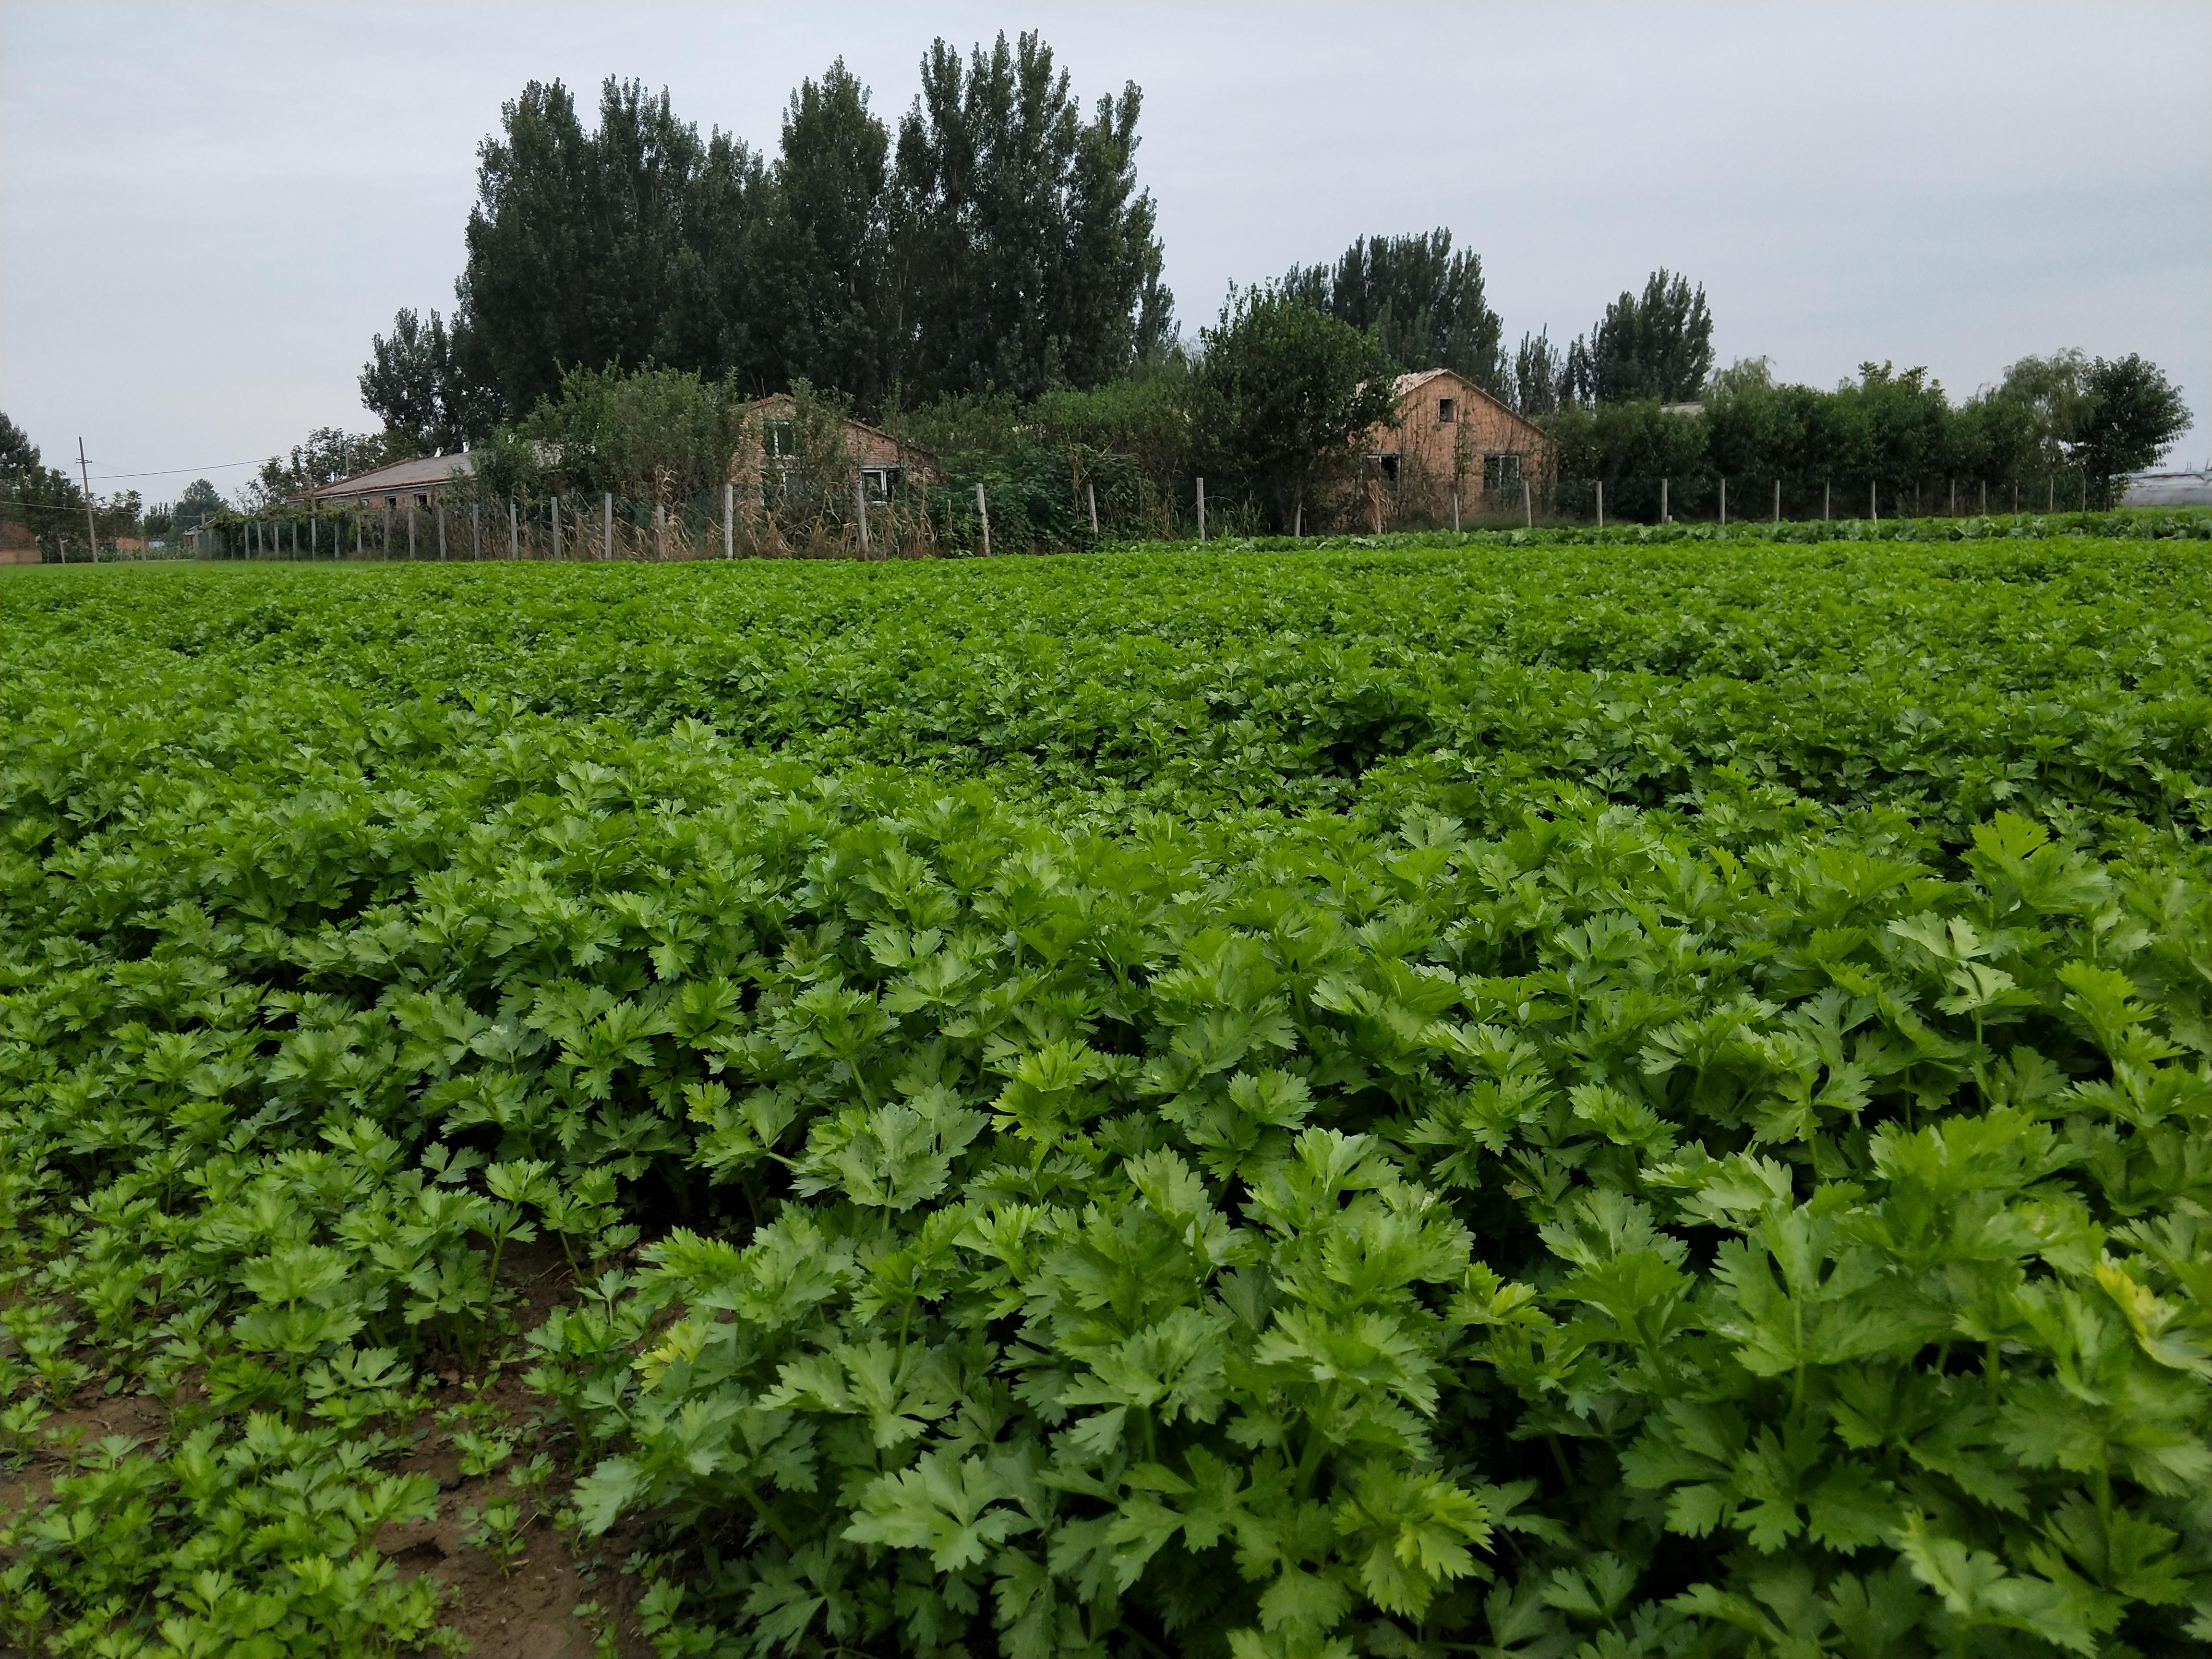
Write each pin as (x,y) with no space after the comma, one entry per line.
(1387,464)
(422,498)
(1501,473)
(878,480)
(782,439)
(1447,411)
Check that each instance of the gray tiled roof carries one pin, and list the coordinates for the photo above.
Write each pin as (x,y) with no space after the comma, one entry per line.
(422,472)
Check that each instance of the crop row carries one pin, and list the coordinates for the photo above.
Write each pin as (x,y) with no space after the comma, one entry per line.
(1949,685)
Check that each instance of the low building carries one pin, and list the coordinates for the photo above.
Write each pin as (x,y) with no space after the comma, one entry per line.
(417,482)
(1453,436)
(770,450)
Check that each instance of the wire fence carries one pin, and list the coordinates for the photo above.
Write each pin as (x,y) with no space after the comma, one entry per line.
(582,527)
(1020,516)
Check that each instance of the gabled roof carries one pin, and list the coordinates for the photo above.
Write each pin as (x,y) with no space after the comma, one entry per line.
(1419,378)
(413,473)
(1406,384)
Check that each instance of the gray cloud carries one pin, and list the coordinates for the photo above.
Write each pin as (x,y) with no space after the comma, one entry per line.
(206,209)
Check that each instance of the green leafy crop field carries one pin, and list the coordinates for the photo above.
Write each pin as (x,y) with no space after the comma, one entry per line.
(1530,1099)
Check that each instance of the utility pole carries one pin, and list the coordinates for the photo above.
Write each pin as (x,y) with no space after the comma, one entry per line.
(92,535)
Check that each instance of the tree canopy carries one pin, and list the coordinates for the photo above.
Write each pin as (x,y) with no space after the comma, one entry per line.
(1003,241)
(2129,413)
(1423,301)
(1030,257)
(1656,345)
(327,455)
(1283,392)
(413,383)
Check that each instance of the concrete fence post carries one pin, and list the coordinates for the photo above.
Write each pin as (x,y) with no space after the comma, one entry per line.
(441,528)
(729,520)
(513,531)
(1091,499)
(1455,509)
(410,529)
(861,508)
(1601,503)
(1778,500)
(1665,517)
(1723,502)
(556,528)
(1874,502)
(1528,505)
(983,513)
(1201,509)
(607,536)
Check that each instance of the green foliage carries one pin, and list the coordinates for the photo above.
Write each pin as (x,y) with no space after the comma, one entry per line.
(1508,1098)
(1030,255)
(627,246)
(1002,241)
(1124,444)
(415,383)
(655,434)
(198,501)
(1895,427)
(1656,345)
(44,498)
(826,269)
(1285,394)
(1422,301)
(2132,414)
(327,456)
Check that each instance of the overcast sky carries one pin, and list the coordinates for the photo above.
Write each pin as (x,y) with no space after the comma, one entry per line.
(206,209)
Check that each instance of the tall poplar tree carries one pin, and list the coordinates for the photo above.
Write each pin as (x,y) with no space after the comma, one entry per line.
(1656,345)
(825,280)
(1027,256)
(628,244)
(1424,302)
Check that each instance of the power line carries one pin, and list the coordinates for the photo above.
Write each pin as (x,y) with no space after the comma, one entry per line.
(170,471)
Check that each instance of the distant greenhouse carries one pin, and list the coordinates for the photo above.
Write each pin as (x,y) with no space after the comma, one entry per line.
(2169,489)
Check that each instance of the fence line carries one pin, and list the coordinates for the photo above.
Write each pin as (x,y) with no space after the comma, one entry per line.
(946,521)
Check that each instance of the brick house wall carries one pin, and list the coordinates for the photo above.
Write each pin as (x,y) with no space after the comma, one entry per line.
(1451,432)
(882,460)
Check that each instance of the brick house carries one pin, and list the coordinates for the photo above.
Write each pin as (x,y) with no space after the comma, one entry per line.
(883,462)
(1453,434)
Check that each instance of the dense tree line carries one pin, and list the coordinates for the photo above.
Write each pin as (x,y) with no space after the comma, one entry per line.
(49,504)
(2068,412)
(1000,241)
(984,276)
(43,498)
